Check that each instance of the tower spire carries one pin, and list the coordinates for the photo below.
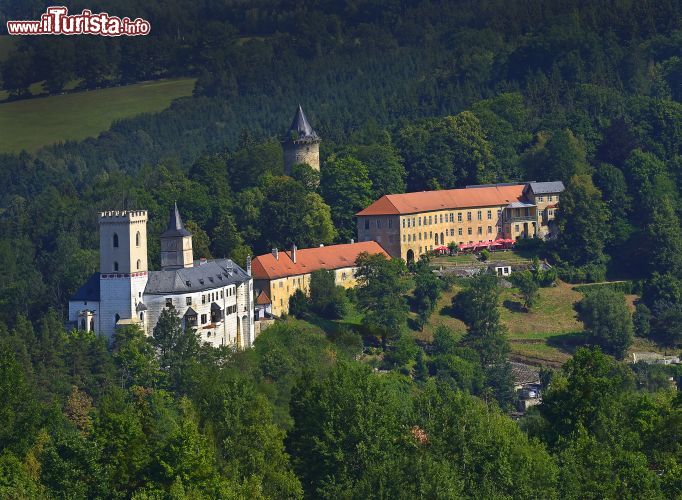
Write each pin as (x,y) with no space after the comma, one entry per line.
(301,144)
(176,243)
(175,224)
(301,126)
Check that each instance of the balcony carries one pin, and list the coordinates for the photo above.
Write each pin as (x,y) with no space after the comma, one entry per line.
(520,218)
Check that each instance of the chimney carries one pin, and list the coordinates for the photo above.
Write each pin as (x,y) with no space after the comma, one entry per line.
(275,252)
(293,253)
(248,265)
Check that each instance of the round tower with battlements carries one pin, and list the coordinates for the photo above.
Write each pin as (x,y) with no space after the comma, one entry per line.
(301,144)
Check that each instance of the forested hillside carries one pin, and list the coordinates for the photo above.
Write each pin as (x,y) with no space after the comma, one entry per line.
(406,96)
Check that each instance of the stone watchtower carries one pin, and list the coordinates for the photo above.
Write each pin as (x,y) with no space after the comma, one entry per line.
(176,243)
(122,267)
(301,144)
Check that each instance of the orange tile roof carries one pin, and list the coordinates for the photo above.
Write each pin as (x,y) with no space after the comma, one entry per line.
(427,201)
(263,299)
(312,259)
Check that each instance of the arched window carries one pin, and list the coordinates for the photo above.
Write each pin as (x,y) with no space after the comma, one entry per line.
(115,266)
(139,263)
(137,239)
(115,240)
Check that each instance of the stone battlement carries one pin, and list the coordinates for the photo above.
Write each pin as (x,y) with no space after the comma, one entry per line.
(122,216)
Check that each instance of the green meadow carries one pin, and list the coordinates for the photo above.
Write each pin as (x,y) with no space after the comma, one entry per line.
(31,123)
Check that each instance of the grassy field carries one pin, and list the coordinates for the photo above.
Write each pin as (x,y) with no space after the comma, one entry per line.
(545,336)
(32,123)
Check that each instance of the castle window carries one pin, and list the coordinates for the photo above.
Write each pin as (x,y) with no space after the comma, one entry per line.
(452,216)
(480,230)
(479,215)
(115,240)
(490,214)
(188,301)
(469,231)
(459,231)
(549,198)
(490,229)
(115,266)
(137,239)
(203,319)
(468,215)
(139,263)
(459,216)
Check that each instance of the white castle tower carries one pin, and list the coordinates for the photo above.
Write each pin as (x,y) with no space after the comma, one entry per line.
(123,268)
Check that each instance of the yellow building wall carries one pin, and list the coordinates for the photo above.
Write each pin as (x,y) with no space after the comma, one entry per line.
(281,289)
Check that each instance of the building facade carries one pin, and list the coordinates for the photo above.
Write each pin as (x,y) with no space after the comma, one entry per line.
(278,275)
(411,224)
(213,297)
(301,143)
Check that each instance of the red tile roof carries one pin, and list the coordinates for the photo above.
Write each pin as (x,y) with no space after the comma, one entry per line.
(426,201)
(312,259)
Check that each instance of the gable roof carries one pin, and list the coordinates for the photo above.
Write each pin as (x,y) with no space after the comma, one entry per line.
(263,299)
(546,187)
(312,259)
(427,201)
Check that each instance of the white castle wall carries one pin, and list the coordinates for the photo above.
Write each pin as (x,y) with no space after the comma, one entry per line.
(119,294)
(225,332)
(75,307)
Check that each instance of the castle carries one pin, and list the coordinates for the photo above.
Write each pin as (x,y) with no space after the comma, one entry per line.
(214,297)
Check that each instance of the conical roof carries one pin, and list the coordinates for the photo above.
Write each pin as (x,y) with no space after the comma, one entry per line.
(301,127)
(175,225)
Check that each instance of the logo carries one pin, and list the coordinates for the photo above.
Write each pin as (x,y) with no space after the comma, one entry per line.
(57,21)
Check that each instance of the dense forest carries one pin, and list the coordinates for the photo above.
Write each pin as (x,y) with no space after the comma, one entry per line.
(406,96)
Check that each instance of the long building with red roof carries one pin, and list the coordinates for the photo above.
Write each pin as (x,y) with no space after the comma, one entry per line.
(277,275)
(411,224)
